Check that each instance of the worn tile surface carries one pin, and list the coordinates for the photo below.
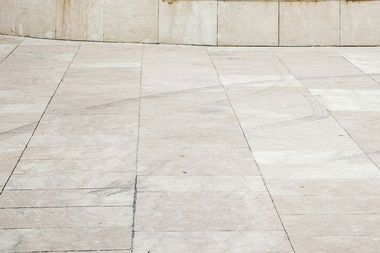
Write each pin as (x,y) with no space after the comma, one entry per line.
(158,148)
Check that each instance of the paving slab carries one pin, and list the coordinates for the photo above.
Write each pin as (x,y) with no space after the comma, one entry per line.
(116,147)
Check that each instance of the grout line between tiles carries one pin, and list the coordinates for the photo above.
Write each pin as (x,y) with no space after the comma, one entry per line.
(332,114)
(42,115)
(250,149)
(137,155)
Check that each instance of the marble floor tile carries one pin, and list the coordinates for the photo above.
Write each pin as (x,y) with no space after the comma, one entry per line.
(205,211)
(349,244)
(73,130)
(70,180)
(167,148)
(328,204)
(67,217)
(349,100)
(333,224)
(200,184)
(66,198)
(65,239)
(212,242)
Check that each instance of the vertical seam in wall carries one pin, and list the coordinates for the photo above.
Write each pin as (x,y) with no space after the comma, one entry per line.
(158,22)
(103,18)
(15,17)
(340,23)
(217,22)
(55,19)
(278,22)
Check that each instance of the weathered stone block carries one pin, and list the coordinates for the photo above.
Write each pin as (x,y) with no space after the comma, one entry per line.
(36,18)
(360,23)
(7,16)
(80,19)
(248,23)
(131,21)
(304,23)
(188,22)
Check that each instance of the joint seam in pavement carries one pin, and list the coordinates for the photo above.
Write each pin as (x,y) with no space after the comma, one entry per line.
(11,52)
(38,122)
(137,155)
(250,149)
(332,114)
(362,71)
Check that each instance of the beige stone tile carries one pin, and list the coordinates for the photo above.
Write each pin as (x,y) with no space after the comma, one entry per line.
(251,67)
(349,100)
(200,211)
(212,242)
(121,56)
(344,82)
(92,77)
(203,166)
(358,19)
(349,244)
(297,136)
(10,152)
(258,107)
(36,18)
(364,58)
(23,110)
(188,22)
(318,64)
(195,154)
(7,163)
(309,23)
(363,127)
(332,224)
(104,100)
(66,217)
(112,164)
(8,39)
(200,184)
(73,180)
(66,198)
(182,126)
(78,152)
(86,130)
(4,175)
(185,69)
(247,23)
(5,50)
(211,102)
(325,187)
(315,165)
(126,21)
(55,239)
(80,19)
(209,161)
(7,16)
(328,204)
(15,134)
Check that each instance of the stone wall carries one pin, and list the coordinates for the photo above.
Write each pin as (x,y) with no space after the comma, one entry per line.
(204,22)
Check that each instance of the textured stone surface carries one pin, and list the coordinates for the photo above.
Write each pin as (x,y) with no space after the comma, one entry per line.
(190,149)
(7,16)
(305,23)
(358,20)
(36,18)
(131,21)
(80,19)
(248,23)
(205,22)
(188,22)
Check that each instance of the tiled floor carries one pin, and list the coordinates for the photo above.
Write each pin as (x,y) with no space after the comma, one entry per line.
(180,149)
